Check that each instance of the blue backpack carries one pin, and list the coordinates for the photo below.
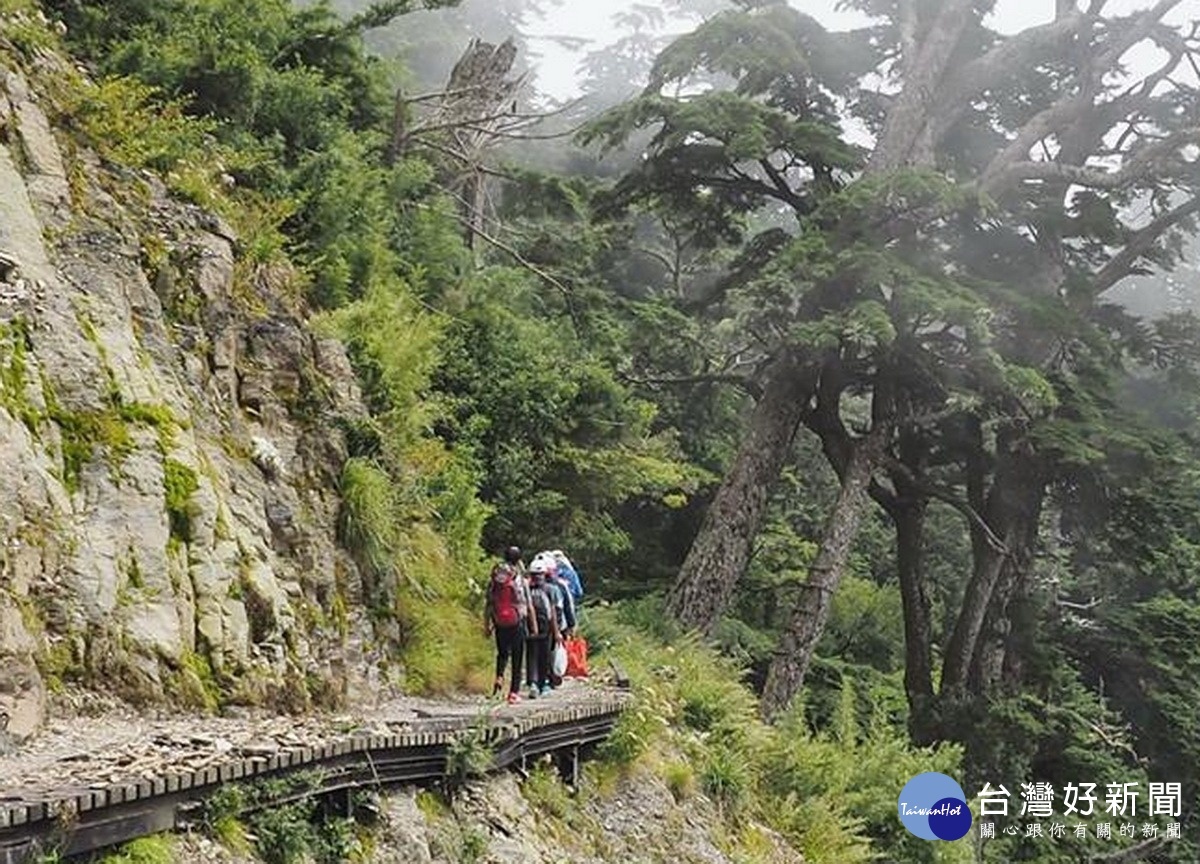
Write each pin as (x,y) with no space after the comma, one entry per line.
(569,573)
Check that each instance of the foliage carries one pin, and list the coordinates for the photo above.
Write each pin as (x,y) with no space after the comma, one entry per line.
(469,755)
(179,484)
(157,849)
(127,119)
(300,828)
(832,793)
(559,441)
(545,792)
(409,512)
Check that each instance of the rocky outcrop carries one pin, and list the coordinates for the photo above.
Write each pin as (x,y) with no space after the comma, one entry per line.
(505,821)
(168,448)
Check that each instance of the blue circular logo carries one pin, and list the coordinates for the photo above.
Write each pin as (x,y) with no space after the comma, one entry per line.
(933,807)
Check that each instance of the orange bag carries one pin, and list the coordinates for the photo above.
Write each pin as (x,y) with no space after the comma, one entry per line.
(577,666)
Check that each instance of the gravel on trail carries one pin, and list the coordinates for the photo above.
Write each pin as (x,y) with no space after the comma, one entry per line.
(121,745)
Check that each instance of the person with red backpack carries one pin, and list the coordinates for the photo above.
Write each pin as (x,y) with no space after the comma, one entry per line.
(509,613)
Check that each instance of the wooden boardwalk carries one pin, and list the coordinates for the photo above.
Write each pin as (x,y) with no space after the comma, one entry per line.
(79,802)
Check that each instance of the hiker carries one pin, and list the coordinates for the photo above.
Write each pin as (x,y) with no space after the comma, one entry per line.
(568,572)
(543,640)
(564,608)
(557,568)
(565,604)
(509,614)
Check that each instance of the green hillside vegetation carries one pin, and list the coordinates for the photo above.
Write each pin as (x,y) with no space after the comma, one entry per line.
(572,388)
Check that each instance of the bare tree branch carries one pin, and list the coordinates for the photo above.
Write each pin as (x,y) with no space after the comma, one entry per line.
(743,382)
(908,32)
(786,193)
(1023,49)
(1070,106)
(530,266)
(946,496)
(1141,242)
(1080,607)
(1136,168)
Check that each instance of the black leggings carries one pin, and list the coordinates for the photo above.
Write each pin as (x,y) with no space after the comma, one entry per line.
(508,644)
(537,661)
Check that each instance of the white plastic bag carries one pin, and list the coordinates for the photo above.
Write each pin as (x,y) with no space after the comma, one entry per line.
(560,660)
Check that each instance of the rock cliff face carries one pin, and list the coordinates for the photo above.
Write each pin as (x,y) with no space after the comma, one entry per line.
(168,501)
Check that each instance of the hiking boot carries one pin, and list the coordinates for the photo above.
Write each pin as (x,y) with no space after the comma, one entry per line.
(533,692)
(545,688)
(514,697)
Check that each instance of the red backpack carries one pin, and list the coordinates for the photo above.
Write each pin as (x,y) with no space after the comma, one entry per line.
(505,611)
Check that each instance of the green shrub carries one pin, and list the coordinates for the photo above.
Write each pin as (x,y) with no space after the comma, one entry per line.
(179,484)
(158,849)
(367,525)
(831,794)
(469,756)
(283,834)
(130,124)
(546,793)
(727,776)
(681,780)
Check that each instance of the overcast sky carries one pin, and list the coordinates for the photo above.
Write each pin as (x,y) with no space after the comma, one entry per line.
(592,19)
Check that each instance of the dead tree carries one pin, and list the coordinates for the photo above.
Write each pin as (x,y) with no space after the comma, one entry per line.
(466,121)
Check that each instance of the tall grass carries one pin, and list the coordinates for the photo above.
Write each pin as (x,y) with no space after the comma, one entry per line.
(410,515)
(831,793)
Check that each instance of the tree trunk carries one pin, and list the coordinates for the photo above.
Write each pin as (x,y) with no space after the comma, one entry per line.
(909,518)
(785,677)
(399,128)
(1017,609)
(475,195)
(902,142)
(1022,618)
(721,551)
(1014,500)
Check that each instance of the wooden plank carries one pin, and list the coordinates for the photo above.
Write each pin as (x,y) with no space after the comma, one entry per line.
(147,819)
